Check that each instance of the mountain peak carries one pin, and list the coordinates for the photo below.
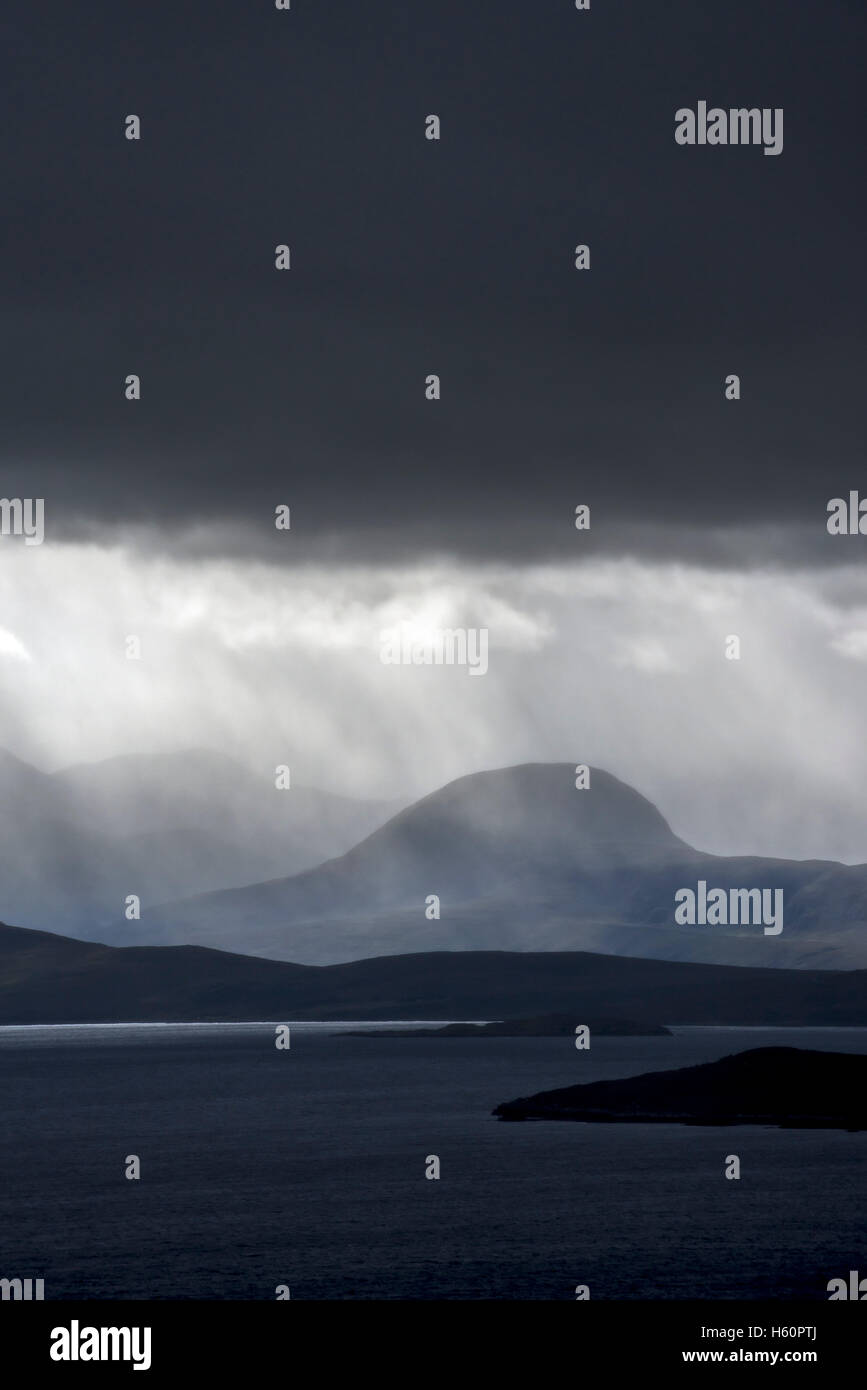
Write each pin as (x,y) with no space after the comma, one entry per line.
(536,809)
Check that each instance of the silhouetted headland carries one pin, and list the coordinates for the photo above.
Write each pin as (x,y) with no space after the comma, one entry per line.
(790,1087)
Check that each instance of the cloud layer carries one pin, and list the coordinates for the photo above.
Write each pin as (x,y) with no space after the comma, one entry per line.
(621,664)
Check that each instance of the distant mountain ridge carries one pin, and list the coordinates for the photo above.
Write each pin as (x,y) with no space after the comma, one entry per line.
(75,843)
(52,979)
(518,859)
(521,860)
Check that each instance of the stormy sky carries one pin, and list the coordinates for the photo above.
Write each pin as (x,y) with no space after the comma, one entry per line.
(559,387)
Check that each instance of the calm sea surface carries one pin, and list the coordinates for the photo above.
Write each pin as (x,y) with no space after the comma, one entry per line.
(306,1167)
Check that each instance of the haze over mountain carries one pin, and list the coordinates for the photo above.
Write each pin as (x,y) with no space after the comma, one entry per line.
(76,842)
(522,860)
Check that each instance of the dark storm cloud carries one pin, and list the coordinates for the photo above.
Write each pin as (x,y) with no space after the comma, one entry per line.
(412,257)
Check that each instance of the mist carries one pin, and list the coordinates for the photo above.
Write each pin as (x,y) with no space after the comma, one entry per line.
(621,664)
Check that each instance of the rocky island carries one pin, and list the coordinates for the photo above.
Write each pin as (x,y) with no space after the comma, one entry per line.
(543,1026)
(788,1087)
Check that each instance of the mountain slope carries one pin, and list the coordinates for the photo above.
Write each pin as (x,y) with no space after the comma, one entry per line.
(53,979)
(520,859)
(75,843)
(55,870)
